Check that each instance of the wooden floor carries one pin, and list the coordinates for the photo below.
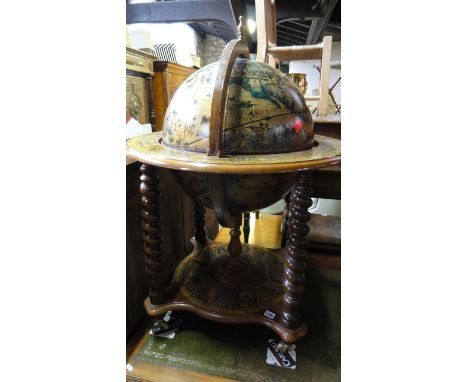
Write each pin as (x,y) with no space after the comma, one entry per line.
(265,231)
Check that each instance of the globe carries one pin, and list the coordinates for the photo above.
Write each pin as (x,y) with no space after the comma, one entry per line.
(265,112)
(244,159)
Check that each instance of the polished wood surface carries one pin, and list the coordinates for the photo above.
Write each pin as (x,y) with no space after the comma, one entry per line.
(325,231)
(148,149)
(152,233)
(167,78)
(295,266)
(180,302)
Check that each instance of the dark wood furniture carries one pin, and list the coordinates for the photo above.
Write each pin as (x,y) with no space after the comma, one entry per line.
(329,125)
(231,283)
(176,232)
(139,83)
(327,185)
(136,284)
(324,232)
(164,294)
(167,78)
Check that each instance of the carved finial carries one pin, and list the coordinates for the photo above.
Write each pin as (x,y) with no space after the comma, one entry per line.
(242,28)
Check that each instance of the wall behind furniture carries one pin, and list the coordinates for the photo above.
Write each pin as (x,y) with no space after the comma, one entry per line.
(211,49)
(180,34)
(186,40)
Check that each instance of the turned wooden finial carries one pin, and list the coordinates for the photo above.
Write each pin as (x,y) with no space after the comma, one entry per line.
(242,28)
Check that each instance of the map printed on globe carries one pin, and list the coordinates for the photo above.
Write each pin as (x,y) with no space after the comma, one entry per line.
(265,112)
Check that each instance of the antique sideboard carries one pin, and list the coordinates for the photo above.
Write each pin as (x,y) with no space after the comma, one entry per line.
(167,78)
(139,84)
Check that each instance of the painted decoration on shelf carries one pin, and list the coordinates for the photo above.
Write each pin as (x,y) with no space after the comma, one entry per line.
(199,280)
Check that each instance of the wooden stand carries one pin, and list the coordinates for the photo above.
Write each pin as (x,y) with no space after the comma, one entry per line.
(235,283)
(151,224)
(294,269)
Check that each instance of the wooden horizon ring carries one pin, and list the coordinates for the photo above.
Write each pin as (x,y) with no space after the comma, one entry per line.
(148,149)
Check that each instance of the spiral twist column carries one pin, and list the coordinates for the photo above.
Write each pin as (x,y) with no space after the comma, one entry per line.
(294,269)
(151,224)
(199,218)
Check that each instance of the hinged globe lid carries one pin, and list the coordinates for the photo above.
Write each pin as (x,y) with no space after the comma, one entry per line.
(228,111)
(264,112)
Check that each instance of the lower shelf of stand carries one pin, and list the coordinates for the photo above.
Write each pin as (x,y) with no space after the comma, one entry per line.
(202,285)
(180,303)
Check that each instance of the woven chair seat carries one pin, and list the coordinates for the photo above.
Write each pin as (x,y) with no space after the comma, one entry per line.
(296,52)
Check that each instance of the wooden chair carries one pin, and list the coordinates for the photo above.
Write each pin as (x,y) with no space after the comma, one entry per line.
(333,65)
(325,231)
(269,53)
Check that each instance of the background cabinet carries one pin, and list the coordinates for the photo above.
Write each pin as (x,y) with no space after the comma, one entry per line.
(139,83)
(167,78)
